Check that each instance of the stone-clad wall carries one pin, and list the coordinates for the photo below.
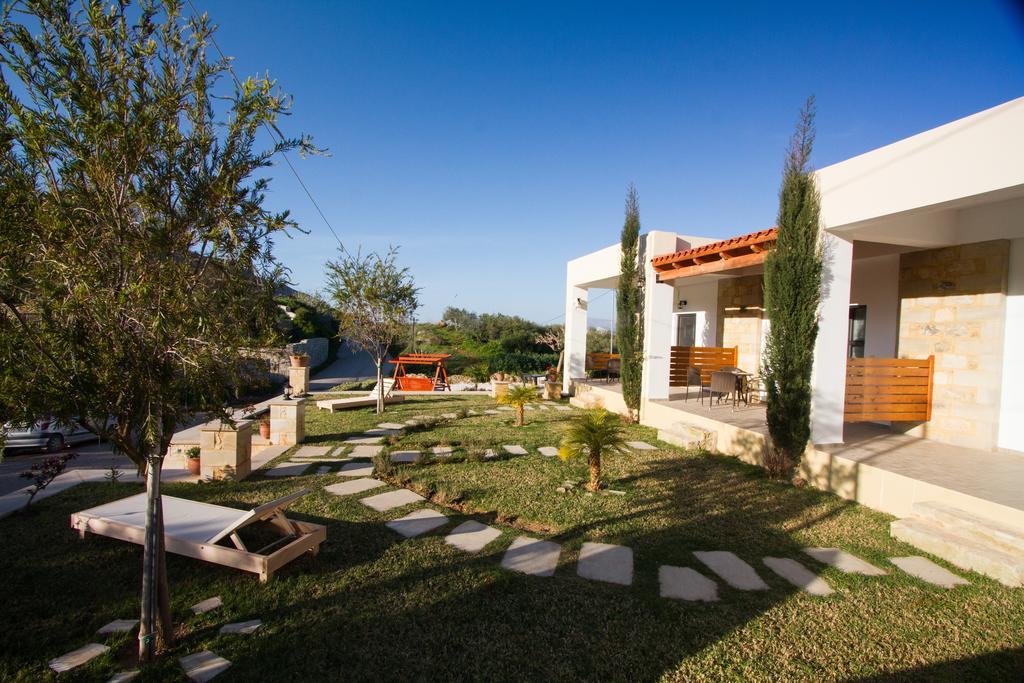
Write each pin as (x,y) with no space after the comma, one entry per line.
(742,328)
(953,306)
(315,347)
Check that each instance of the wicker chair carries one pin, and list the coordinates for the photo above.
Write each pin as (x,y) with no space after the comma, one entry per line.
(723,384)
(614,368)
(693,380)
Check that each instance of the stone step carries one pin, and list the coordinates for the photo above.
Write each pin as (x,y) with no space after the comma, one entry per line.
(687,436)
(960,550)
(997,535)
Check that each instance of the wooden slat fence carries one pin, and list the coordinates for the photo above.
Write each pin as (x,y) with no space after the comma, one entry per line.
(707,358)
(599,361)
(889,389)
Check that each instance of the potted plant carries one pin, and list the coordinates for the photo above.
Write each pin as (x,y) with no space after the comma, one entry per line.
(192,458)
(499,385)
(552,390)
(264,423)
(299,359)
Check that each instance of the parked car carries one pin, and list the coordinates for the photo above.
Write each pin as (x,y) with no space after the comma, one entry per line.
(47,434)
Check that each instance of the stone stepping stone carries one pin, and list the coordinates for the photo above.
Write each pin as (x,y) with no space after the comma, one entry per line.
(731,569)
(528,407)
(119,626)
(532,556)
(244,628)
(548,451)
(312,451)
(492,411)
(472,536)
(323,470)
(381,432)
(404,456)
(563,408)
(383,502)
(366,451)
(684,583)
(472,412)
(515,450)
(391,425)
(505,409)
(76,658)
(287,469)
(442,451)
(541,406)
(489,454)
(364,439)
(844,561)
(123,676)
(641,446)
(412,423)
(207,605)
(926,570)
(203,666)
(356,469)
(798,575)
(606,562)
(347,488)
(417,522)
(449,416)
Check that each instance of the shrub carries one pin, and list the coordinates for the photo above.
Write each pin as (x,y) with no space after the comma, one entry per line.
(383,467)
(520,363)
(43,473)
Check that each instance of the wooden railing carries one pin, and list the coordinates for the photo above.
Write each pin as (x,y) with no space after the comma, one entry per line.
(707,358)
(599,361)
(889,389)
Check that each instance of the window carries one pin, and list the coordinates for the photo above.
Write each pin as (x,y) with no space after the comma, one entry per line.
(686,329)
(857,333)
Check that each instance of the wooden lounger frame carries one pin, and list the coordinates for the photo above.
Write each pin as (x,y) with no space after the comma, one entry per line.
(336,404)
(306,537)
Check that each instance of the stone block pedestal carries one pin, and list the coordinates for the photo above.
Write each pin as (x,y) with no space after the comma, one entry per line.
(225,451)
(298,378)
(288,421)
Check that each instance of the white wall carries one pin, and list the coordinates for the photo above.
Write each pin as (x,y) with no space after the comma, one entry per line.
(828,380)
(876,283)
(659,332)
(1011,410)
(701,299)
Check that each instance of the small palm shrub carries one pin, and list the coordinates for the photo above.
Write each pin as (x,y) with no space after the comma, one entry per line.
(590,434)
(518,397)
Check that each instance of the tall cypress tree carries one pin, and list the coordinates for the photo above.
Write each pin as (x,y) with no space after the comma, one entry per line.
(792,287)
(630,327)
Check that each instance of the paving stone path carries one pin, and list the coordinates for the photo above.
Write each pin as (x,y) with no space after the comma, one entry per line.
(323,470)
(378,432)
(563,408)
(417,522)
(489,454)
(732,570)
(356,469)
(286,469)
(348,488)
(119,626)
(207,605)
(926,570)
(241,628)
(311,451)
(548,451)
(472,536)
(798,575)
(532,556)
(404,456)
(383,502)
(365,451)
(123,676)
(78,657)
(684,583)
(449,416)
(515,450)
(390,425)
(844,561)
(606,562)
(203,666)
(442,451)
(641,446)
(492,411)
(366,440)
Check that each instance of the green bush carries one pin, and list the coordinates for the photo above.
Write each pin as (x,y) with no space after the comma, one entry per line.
(519,363)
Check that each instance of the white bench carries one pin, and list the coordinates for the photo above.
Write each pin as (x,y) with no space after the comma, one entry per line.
(335,404)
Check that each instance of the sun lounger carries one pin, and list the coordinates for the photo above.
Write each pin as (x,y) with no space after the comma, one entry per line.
(202,530)
(334,404)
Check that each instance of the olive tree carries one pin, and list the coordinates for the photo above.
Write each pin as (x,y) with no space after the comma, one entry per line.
(135,247)
(374,300)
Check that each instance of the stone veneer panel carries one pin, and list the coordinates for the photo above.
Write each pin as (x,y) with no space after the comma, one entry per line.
(953,306)
(742,328)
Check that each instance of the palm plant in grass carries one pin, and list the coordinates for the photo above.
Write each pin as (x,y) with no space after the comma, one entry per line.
(518,397)
(590,434)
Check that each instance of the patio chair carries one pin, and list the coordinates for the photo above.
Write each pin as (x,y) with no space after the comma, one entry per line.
(614,368)
(724,384)
(693,380)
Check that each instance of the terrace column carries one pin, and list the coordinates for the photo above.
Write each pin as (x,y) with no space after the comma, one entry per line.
(298,379)
(828,380)
(575,335)
(287,422)
(658,306)
(224,450)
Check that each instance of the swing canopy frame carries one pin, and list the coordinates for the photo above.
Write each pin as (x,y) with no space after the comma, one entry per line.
(403,382)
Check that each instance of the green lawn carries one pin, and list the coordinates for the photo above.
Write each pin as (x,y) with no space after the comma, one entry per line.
(373,606)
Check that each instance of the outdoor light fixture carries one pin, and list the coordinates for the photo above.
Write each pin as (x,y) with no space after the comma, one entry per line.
(287,392)
(682,303)
(581,304)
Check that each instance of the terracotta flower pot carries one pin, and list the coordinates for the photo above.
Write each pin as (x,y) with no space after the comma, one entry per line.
(300,361)
(193,465)
(265,429)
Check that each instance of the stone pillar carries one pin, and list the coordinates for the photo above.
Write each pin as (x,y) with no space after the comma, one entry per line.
(287,422)
(828,379)
(225,451)
(575,335)
(658,305)
(298,378)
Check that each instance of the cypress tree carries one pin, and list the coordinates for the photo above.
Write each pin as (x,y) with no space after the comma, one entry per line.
(792,288)
(630,305)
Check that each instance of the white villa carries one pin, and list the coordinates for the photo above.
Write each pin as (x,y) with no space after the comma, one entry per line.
(919,364)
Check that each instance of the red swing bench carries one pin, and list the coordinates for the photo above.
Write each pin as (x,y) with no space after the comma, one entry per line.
(403,382)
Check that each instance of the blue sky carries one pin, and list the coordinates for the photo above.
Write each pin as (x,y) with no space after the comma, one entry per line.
(494,141)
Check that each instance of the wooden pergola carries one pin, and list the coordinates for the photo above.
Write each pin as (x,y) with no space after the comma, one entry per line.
(436,360)
(738,252)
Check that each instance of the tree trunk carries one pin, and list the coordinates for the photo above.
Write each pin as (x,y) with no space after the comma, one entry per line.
(163,589)
(520,416)
(594,460)
(150,562)
(380,384)
(561,357)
